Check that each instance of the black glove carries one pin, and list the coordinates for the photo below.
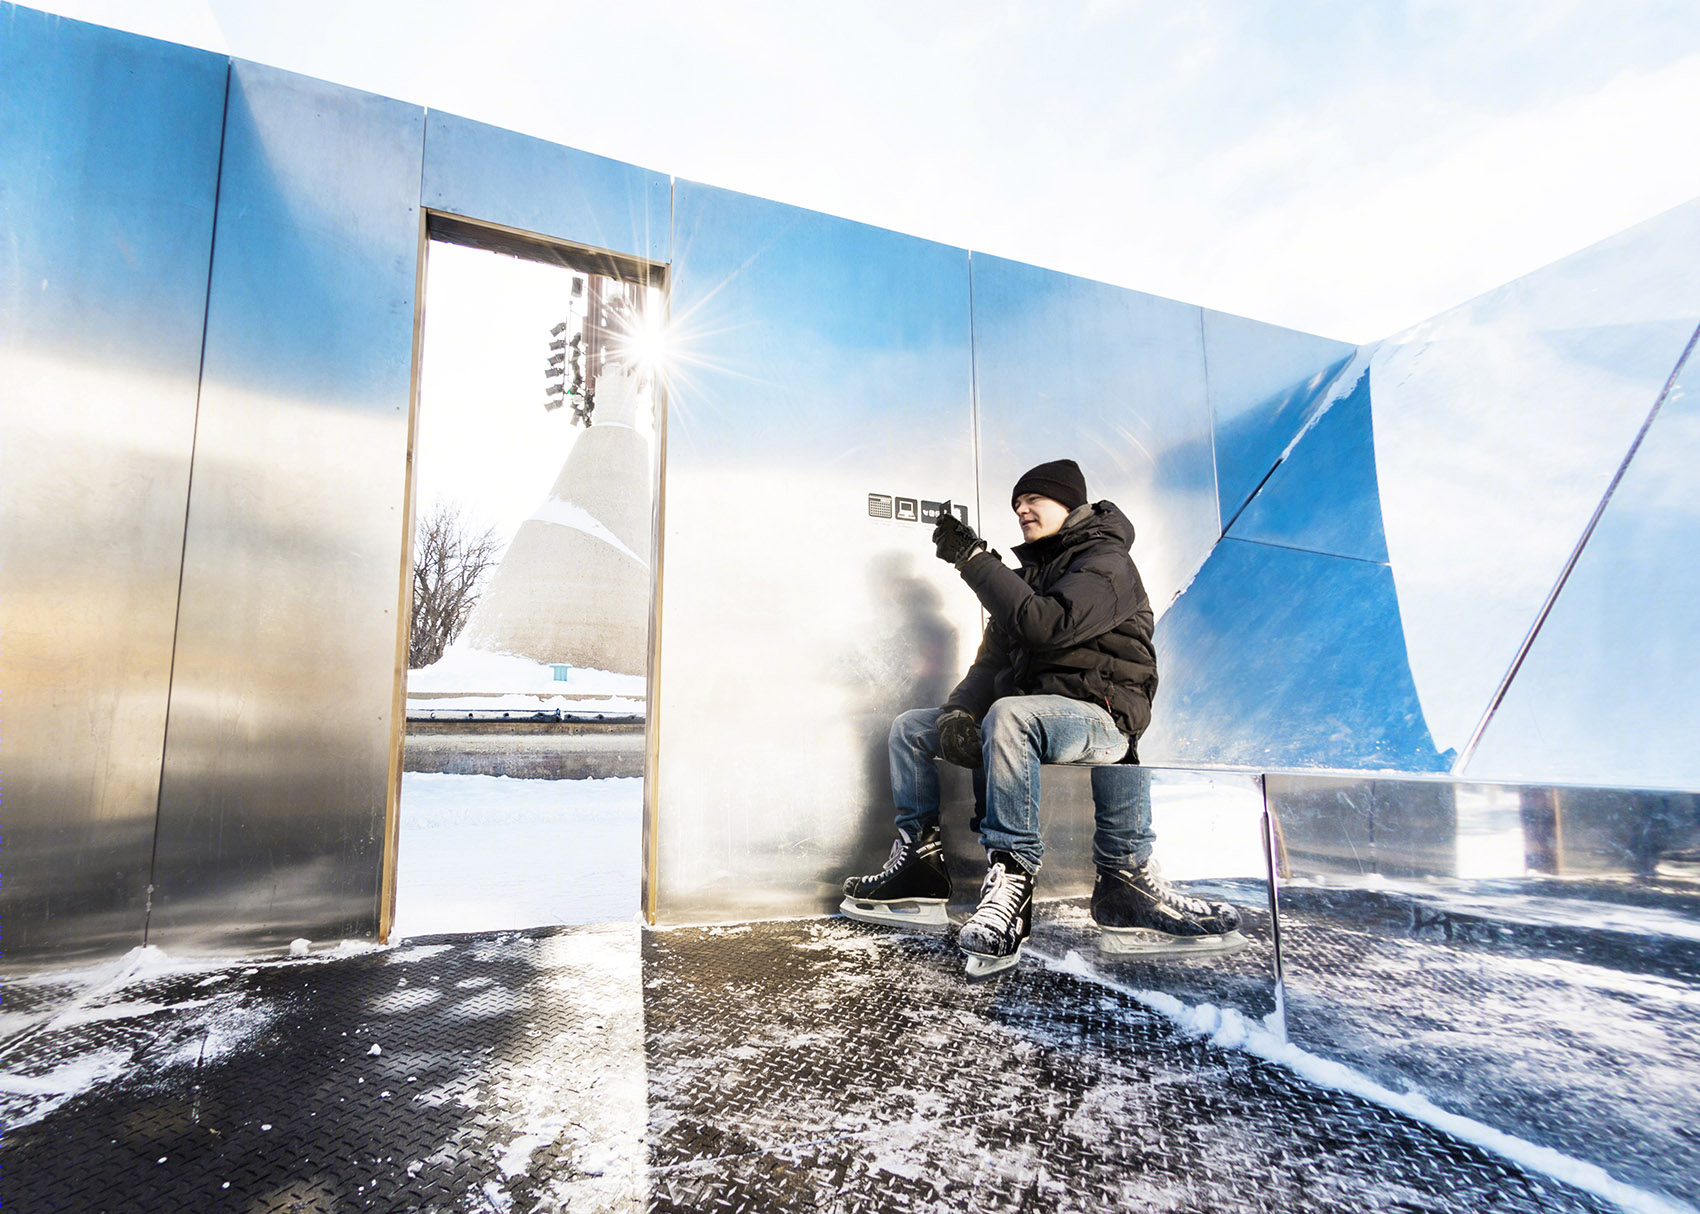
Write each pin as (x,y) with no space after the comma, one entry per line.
(959,737)
(955,540)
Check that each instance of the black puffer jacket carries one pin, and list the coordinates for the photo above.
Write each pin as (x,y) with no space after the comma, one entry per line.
(1074,622)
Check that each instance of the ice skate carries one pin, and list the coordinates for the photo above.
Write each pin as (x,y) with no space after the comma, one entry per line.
(993,935)
(912,889)
(1140,914)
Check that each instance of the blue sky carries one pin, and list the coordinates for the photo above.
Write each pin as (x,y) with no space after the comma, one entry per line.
(1349,168)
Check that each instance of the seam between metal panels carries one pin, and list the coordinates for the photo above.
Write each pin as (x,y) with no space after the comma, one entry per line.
(188,500)
(1339,556)
(1469,751)
(1210,412)
(974,397)
(1305,428)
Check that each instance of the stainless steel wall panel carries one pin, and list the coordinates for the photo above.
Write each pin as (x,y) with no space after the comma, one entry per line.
(498,176)
(1498,427)
(277,752)
(108,173)
(1280,658)
(1322,497)
(814,362)
(1608,690)
(1265,384)
(1114,379)
(1349,830)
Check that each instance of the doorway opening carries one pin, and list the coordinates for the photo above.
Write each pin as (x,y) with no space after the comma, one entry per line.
(534,486)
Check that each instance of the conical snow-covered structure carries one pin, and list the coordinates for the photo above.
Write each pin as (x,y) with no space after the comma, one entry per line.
(573,586)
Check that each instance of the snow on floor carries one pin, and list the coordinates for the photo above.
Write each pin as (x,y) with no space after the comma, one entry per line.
(37,1075)
(493,853)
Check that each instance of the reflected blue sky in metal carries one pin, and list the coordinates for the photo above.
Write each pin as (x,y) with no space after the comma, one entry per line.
(1114,379)
(499,176)
(796,332)
(1498,427)
(1275,657)
(312,301)
(277,755)
(106,141)
(1607,693)
(1265,383)
(1323,496)
(815,361)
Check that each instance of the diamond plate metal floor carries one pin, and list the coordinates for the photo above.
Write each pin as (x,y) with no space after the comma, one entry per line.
(802,1065)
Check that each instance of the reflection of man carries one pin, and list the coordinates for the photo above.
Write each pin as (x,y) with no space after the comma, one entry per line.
(1065,674)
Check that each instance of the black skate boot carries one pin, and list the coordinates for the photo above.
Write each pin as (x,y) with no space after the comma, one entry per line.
(1141,913)
(993,935)
(912,888)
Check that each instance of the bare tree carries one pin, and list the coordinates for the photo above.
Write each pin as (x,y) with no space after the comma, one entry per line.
(449,564)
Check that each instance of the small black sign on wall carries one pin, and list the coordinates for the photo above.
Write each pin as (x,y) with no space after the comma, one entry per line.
(910,509)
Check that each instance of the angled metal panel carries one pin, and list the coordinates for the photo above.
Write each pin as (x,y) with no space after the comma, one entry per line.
(498,176)
(1280,658)
(1499,426)
(1265,384)
(108,172)
(1111,378)
(277,755)
(816,362)
(1322,497)
(1607,692)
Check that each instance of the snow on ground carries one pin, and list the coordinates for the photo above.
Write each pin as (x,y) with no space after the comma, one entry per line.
(513,701)
(493,853)
(477,671)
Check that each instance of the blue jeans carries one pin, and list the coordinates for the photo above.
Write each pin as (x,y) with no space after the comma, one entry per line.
(1019,734)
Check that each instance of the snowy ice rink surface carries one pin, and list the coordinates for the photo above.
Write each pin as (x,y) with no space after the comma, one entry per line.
(492,853)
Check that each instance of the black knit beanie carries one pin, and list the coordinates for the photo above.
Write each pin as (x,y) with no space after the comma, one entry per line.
(1060,480)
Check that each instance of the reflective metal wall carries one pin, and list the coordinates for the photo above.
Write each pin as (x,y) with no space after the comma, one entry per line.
(823,373)
(820,392)
(108,174)
(277,747)
(1348,552)
(1111,378)
(1607,692)
(496,176)
(1265,384)
(1499,427)
(1287,648)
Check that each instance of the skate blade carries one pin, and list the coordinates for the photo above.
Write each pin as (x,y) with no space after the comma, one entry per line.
(980,966)
(920,913)
(1142,942)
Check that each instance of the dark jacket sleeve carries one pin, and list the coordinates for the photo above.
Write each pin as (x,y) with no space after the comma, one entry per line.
(1094,595)
(974,695)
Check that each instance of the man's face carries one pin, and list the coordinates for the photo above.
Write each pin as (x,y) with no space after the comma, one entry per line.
(1039,516)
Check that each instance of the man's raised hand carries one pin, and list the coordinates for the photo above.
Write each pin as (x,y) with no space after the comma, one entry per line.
(955,540)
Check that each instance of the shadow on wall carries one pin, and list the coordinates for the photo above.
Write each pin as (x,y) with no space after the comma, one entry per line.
(911,663)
